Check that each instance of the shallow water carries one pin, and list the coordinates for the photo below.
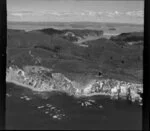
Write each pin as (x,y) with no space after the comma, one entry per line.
(26,109)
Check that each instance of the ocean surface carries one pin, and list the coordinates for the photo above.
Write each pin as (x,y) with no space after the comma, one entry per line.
(26,109)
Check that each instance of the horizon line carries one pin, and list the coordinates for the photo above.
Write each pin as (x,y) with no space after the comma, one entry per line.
(72,22)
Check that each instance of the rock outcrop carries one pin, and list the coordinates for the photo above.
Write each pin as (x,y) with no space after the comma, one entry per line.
(43,79)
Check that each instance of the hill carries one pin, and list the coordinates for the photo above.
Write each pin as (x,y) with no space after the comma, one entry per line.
(49,48)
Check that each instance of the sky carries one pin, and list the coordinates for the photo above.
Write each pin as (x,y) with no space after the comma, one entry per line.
(76,10)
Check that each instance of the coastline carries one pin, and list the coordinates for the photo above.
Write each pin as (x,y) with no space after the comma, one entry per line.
(60,83)
(31,26)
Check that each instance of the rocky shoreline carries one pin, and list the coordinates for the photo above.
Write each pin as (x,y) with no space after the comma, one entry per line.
(42,79)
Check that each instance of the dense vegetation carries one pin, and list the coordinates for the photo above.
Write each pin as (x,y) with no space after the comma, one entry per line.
(47,47)
(127,37)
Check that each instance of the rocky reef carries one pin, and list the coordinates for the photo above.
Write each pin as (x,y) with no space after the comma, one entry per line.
(42,79)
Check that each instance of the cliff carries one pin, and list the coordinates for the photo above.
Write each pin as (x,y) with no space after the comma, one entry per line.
(43,79)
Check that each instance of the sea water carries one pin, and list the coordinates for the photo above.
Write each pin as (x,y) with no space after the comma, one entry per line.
(26,109)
